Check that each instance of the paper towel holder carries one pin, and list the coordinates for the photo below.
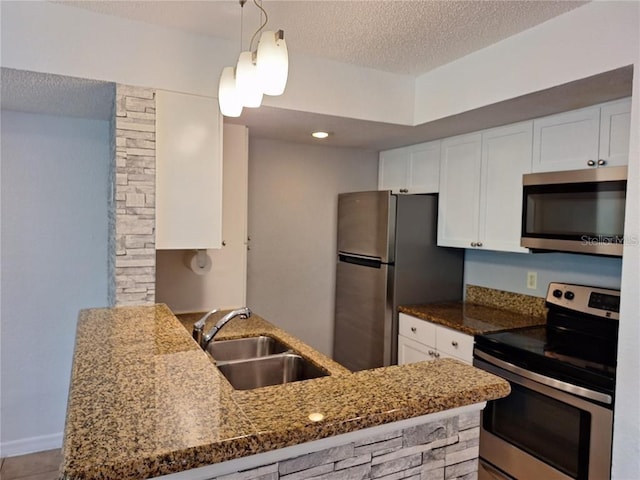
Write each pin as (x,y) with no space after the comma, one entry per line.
(201,257)
(198,261)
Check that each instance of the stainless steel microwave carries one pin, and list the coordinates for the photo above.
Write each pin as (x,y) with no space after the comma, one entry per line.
(575,211)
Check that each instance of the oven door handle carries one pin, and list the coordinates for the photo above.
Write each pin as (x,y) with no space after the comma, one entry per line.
(550,382)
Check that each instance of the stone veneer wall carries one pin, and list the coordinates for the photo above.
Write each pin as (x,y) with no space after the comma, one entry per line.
(445,449)
(132,213)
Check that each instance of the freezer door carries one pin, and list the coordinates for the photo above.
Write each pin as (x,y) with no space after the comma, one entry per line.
(363,317)
(366,224)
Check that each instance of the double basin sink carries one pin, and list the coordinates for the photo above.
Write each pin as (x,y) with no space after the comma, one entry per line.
(261,361)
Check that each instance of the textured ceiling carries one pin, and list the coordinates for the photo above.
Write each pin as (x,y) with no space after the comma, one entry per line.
(409,37)
(49,94)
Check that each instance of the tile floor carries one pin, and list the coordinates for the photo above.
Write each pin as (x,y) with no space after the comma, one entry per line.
(35,466)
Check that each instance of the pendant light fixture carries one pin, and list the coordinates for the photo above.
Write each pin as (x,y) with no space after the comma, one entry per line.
(273,62)
(260,71)
(228,98)
(248,84)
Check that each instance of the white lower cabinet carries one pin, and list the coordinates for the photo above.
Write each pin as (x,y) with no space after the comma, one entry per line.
(419,340)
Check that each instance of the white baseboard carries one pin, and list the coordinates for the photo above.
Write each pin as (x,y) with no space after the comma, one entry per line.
(31,445)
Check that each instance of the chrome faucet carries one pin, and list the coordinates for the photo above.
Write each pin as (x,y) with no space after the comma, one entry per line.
(198,327)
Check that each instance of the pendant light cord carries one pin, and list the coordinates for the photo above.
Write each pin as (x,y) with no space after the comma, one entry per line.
(242,2)
(266,20)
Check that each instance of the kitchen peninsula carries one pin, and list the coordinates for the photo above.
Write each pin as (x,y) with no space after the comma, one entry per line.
(146,401)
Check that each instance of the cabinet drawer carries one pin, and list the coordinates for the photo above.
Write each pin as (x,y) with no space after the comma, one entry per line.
(416,329)
(456,344)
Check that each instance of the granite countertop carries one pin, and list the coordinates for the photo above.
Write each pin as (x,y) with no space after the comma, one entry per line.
(145,400)
(471,318)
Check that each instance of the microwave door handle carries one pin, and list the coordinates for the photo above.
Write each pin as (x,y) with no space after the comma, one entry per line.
(543,379)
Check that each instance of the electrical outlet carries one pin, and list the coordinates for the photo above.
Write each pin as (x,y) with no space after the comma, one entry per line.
(532,280)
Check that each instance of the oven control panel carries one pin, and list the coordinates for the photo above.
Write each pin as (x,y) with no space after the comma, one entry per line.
(602,302)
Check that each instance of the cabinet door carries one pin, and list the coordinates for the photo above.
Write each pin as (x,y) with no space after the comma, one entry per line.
(567,141)
(188,172)
(228,283)
(459,191)
(506,156)
(393,170)
(424,168)
(615,123)
(410,351)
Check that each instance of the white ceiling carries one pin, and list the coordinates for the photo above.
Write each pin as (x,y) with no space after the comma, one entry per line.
(398,36)
(409,37)
(292,126)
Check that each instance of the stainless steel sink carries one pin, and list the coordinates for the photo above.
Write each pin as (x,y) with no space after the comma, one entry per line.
(244,348)
(269,370)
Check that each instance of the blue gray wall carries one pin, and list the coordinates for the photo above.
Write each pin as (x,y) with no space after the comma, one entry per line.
(54,263)
(508,271)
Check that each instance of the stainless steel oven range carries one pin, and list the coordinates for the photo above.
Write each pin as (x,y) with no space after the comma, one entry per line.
(557,423)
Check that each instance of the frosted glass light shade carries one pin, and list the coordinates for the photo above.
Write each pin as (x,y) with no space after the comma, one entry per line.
(230,104)
(273,63)
(247,81)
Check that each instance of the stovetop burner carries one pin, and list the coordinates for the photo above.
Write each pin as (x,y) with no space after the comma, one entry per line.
(578,345)
(527,348)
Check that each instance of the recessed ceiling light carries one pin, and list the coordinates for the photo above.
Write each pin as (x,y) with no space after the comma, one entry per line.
(320,134)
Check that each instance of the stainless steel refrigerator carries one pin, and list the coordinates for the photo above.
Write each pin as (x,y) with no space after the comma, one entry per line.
(387,256)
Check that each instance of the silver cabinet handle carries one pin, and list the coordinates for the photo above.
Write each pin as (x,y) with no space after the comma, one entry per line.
(414,329)
(474,244)
(404,190)
(591,163)
(437,355)
(454,343)
(431,353)
(602,162)
(479,244)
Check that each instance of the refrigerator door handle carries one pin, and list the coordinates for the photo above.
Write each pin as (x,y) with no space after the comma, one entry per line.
(374,262)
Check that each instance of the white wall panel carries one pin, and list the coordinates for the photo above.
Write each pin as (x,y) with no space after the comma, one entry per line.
(591,39)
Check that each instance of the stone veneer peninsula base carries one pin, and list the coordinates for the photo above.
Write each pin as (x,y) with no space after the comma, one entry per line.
(441,446)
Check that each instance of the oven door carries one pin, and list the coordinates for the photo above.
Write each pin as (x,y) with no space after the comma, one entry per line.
(540,432)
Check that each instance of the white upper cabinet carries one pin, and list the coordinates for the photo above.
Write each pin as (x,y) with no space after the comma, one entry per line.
(615,128)
(458,203)
(587,138)
(480,204)
(188,172)
(412,169)
(506,156)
